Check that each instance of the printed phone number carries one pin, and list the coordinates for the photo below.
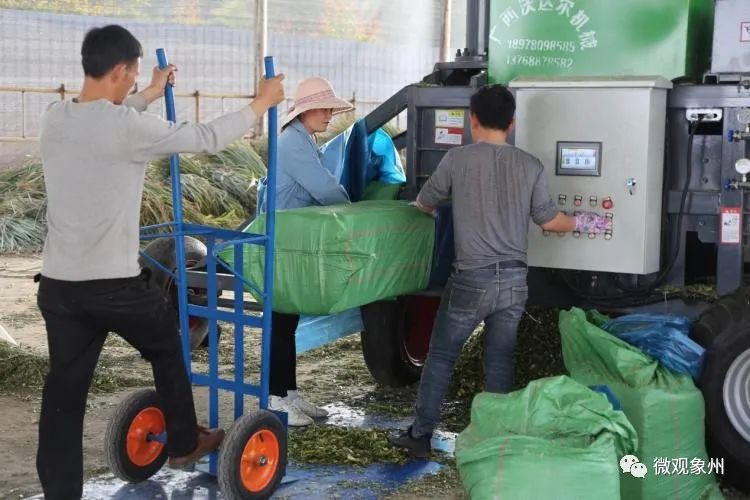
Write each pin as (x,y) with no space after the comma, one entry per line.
(526,44)
(536,61)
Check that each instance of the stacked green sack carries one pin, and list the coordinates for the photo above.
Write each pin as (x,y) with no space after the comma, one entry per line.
(330,259)
(664,407)
(554,439)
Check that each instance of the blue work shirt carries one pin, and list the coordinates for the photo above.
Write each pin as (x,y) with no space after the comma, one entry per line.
(301,179)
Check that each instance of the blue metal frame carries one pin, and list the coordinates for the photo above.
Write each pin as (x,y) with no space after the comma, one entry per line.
(217,239)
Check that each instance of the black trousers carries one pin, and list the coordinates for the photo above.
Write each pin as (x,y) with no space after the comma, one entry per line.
(283,354)
(78,316)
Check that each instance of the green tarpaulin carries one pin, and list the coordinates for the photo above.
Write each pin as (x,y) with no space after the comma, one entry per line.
(665,408)
(554,439)
(330,259)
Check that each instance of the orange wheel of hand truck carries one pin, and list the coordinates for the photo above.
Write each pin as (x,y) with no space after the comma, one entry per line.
(134,439)
(253,457)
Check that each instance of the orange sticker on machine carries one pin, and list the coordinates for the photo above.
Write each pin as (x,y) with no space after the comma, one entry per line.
(451,136)
(731,225)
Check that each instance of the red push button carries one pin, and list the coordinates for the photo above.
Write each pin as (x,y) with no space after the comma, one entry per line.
(607,204)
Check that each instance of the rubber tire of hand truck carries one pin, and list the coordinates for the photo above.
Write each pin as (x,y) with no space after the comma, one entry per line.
(724,441)
(124,462)
(256,436)
(162,250)
(728,314)
(383,344)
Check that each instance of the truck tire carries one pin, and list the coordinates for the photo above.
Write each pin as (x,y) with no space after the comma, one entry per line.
(725,315)
(396,338)
(725,383)
(162,250)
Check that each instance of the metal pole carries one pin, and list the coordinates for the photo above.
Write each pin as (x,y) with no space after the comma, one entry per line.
(261,45)
(472,26)
(484,38)
(197,95)
(23,114)
(445,45)
(265,362)
(477,26)
(174,172)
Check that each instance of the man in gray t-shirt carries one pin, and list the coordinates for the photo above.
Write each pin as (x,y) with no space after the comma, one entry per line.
(495,189)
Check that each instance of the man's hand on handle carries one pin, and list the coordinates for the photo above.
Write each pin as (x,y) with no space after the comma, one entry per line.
(270,93)
(159,80)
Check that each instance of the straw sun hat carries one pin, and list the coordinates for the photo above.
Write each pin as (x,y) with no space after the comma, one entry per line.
(315,93)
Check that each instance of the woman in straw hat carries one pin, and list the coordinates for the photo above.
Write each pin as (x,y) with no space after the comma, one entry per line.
(301,181)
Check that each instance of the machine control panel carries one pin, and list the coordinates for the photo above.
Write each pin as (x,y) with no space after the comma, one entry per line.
(575,126)
(579,158)
(607,205)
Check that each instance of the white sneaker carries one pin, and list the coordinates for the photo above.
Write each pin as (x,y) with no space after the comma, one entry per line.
(295,416)
(304,406)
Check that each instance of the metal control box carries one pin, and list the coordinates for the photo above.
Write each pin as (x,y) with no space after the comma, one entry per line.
(602,144)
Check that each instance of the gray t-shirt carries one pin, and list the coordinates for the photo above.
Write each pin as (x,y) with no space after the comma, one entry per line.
(94,157)
(495,190)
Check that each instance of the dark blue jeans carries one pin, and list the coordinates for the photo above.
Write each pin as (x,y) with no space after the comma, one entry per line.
(495,296)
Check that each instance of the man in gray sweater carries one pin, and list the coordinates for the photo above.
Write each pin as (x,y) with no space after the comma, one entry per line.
(94,151)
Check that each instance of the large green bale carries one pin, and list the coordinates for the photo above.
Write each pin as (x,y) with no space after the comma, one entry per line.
(669,38)
(554,439)
(331,259)
(665,408)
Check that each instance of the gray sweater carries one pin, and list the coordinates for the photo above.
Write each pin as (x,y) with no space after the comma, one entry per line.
(94,156)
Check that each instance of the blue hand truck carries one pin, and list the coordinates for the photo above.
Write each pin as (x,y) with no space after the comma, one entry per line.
(252,459)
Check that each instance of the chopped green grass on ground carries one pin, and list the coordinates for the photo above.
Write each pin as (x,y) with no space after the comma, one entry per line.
(343,446)
(446,483)
(538,355)
(22,372)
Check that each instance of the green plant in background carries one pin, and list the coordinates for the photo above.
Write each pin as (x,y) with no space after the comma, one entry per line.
(23,205)
(218,190)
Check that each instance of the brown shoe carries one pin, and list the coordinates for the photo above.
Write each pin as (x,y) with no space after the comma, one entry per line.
(208,441)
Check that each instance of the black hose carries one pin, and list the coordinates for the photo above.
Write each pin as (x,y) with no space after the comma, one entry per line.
(683,200)
(639,294)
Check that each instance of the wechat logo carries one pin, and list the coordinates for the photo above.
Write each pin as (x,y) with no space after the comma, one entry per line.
(631,465)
